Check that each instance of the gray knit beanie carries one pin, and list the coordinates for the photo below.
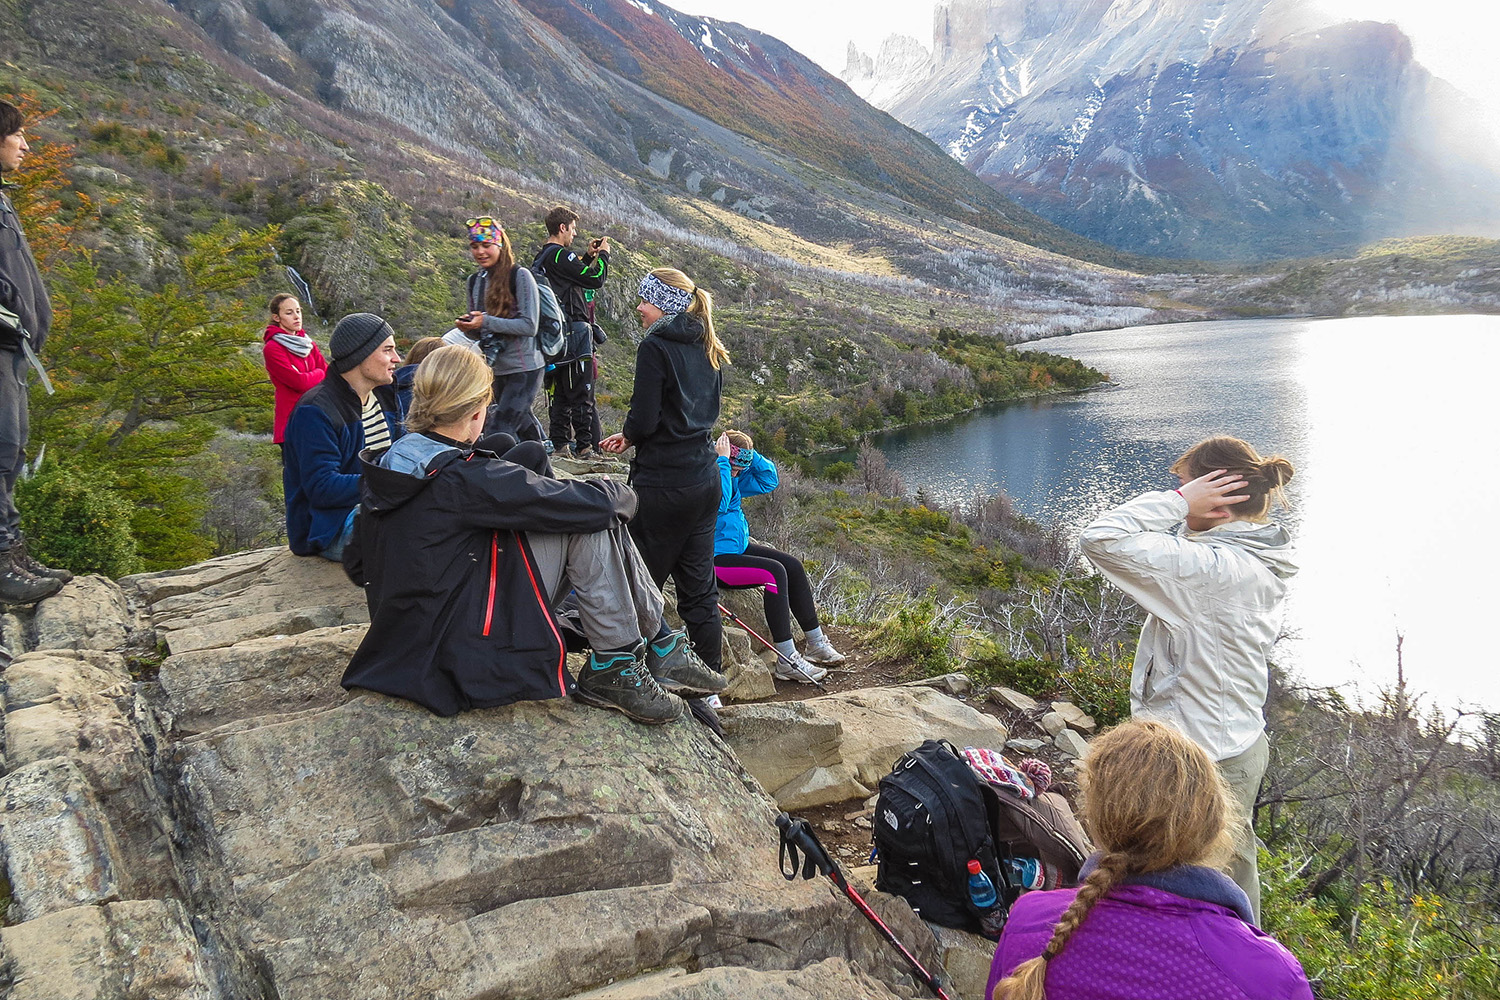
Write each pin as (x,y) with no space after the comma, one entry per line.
(355,338)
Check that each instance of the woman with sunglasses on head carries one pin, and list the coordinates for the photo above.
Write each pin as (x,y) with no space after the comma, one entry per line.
(739,562)
(678,384)
(502,318)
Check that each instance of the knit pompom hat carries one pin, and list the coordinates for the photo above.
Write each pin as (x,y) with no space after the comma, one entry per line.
(355,338)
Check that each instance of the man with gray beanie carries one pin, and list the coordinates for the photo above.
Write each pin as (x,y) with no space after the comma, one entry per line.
(353,408)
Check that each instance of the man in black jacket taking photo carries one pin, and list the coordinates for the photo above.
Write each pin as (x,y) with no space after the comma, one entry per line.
(575,278)
(25,318)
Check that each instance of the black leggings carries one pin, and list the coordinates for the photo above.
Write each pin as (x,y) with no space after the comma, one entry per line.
(674,531)
(792,596)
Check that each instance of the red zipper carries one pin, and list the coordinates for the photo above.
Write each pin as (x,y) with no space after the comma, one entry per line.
(489,611)
(562,647)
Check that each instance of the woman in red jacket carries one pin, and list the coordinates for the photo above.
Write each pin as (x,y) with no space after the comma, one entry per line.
(292,359)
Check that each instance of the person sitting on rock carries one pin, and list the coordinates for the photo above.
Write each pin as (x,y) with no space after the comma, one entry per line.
(464,555)
(353,408)
(739,562)
(1154,916)
(408,371)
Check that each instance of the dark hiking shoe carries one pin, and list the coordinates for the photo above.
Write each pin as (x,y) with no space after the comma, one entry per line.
(680,670)
(23,559)
(621,681)
(19,587)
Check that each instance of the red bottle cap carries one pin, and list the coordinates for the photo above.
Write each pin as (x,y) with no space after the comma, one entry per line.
(974,867)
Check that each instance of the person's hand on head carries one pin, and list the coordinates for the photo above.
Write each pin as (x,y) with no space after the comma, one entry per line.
(1209,495)
(722,445)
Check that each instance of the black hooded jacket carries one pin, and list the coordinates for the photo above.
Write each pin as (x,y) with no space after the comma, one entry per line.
(458,615)
(674,406)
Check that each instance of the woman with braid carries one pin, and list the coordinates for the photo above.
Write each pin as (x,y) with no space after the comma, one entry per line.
(1154,917)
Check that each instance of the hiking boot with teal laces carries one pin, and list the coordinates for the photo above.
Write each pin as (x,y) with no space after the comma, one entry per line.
(680,670)
(621,681)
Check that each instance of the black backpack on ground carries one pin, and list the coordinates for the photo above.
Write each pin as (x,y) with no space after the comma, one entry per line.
(931,819)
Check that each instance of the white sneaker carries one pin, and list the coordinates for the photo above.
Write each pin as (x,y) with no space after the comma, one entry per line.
(822,651)
(798,670)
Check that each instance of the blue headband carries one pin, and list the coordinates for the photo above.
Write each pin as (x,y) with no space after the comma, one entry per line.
(663,296)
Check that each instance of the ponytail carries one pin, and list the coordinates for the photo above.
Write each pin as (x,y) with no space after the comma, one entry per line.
(702,309)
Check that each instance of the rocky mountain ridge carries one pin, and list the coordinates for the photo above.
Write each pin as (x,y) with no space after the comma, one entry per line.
(1195,127)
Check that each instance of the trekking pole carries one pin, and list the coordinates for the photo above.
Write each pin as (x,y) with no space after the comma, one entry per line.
(779,654)
(797,835)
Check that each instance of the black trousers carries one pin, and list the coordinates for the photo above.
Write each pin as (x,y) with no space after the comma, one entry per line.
(511,413)
(571,416)
(14,427)
(674,531)
(793,593)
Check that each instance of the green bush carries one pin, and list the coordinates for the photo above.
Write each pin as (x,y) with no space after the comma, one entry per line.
(78,521)
(919,633)
(1385,945)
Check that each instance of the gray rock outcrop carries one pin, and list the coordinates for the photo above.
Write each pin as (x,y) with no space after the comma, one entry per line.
(837,747)
(230,823)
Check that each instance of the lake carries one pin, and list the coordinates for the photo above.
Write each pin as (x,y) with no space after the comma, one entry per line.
(1390,421)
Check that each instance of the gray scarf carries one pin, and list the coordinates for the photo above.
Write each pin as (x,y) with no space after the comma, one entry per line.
(299,344)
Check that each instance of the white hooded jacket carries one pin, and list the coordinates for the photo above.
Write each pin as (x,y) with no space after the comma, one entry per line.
(1214,601)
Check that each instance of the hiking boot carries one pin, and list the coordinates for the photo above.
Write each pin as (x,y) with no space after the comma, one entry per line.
(679,669)
(798,669)
(23,559)
(594,455)
(822,651)
(621,681)
(19,587)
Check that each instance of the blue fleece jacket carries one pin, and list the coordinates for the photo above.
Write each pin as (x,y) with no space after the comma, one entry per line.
(320,460)
(732,533)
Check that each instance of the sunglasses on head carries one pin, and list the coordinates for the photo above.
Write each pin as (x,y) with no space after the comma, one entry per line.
(483,220)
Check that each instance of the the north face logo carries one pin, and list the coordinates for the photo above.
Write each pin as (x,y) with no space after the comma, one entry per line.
(891,820)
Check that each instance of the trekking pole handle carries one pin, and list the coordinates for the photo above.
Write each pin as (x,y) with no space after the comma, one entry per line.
(797,838)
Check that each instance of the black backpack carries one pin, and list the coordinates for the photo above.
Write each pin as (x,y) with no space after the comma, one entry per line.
(931,819)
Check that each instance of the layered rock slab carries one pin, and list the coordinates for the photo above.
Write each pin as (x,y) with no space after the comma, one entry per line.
(839,746)
(377,851)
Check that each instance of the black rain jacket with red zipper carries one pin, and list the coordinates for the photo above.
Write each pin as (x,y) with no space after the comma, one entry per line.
(458,616)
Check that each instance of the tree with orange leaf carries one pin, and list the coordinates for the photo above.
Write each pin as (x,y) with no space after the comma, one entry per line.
(40,184)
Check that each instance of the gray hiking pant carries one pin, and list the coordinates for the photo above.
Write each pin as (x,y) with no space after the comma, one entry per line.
(14,428)
(1243,774)
(618,603)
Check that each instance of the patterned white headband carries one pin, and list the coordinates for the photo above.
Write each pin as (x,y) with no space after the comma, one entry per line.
(663,296)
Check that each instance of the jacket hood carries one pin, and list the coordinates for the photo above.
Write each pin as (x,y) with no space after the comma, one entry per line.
(382,490)
(1270,543)
(679,327)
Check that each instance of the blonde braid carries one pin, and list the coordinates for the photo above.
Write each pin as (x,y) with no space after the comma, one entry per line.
(1029,979)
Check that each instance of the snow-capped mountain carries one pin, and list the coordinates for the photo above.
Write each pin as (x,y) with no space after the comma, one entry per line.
(1216,128)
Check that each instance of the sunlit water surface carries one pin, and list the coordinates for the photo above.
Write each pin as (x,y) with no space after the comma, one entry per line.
(1391,423)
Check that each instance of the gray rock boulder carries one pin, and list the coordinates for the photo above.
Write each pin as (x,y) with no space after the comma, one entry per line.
(138,950)
(1012,698)
(1053,723)
(1070,743)
(88,613)
(838,747)
(59,849)
(1075,717)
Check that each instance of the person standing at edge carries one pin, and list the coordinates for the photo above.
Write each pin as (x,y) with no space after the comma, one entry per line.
(1210,569)
(502,314)
(678,384)
(352,409)
(574,278)
(25,319)
(292,360)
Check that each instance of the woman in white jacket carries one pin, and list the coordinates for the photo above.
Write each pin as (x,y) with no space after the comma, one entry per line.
(1210,569)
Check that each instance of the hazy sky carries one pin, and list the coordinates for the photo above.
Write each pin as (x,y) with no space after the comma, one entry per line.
(1455,39)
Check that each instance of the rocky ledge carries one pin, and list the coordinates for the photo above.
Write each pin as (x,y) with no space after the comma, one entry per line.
(192,807)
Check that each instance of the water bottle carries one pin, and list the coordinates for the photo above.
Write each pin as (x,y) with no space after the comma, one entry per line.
(1024,873)
(981,889)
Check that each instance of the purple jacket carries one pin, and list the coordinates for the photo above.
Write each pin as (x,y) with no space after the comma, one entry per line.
(1144,943)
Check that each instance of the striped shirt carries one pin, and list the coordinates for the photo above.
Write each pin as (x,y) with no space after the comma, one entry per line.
(377,433)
